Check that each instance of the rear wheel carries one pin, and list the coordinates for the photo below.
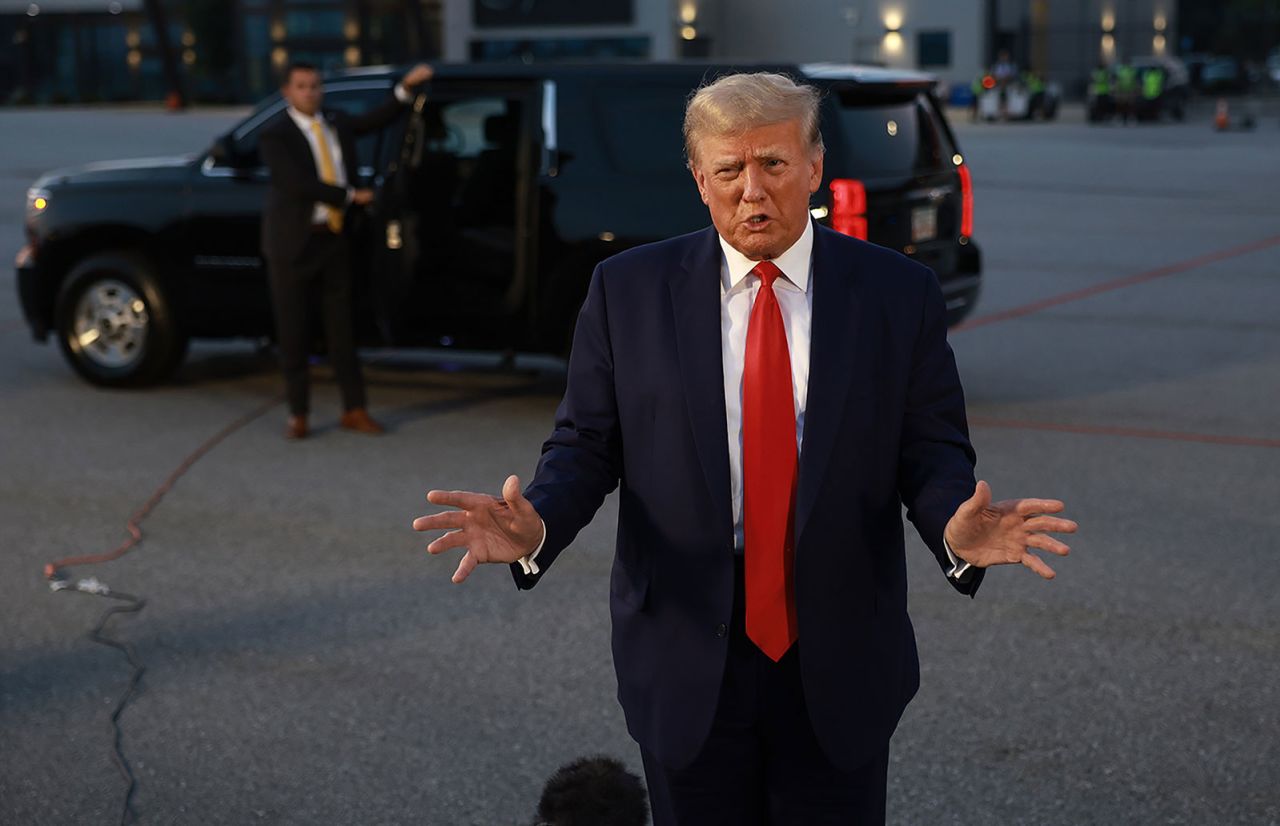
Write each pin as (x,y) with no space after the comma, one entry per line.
(115,324)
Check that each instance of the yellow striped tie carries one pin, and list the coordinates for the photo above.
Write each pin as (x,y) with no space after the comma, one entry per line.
(327,173)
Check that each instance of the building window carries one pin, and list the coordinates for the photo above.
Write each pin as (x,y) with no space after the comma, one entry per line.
(569,48)
(933,50)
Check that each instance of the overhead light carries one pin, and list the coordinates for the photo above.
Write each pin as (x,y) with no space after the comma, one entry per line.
(893,43)
(689,33)
(893,20)
(33,10)
(688,12)
(1108,21)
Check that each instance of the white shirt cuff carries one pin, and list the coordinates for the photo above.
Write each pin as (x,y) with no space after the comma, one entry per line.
(351,194)
(403,94)
(526,562)
(957,567)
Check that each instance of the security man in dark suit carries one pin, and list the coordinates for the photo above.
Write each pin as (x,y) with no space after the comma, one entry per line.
(312,159)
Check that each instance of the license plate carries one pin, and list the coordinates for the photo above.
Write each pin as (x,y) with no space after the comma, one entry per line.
(924,223)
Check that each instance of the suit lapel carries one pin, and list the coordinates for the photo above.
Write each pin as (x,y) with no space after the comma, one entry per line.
(299,139)
(831,359)
(695,300)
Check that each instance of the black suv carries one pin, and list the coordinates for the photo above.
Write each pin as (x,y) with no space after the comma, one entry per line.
(498,192)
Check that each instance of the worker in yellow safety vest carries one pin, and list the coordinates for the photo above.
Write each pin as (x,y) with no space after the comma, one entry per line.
(1101,103)
(1126,91)
(1152,90)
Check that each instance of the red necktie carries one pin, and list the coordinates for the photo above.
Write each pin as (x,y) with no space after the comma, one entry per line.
(769,463)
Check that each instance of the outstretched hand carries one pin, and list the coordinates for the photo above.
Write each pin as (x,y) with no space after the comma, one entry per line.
(491,529)
(985,533)
(417,75)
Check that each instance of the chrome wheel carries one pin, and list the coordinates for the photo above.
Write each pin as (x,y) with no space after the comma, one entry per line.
(111,324)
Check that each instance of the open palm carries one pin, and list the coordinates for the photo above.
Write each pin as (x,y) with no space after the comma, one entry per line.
(491,529)
(985,533)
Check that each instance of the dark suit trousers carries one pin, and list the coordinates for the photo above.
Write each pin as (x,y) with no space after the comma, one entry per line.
(323,267)
(762,765)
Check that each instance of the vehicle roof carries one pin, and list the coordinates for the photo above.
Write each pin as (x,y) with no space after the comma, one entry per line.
(830,72)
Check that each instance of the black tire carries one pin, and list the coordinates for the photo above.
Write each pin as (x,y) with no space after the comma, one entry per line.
(115,323)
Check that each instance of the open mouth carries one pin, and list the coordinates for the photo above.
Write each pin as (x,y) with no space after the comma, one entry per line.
(757,220)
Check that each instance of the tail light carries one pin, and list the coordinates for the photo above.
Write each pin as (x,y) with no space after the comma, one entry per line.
(849,207)
(966,200)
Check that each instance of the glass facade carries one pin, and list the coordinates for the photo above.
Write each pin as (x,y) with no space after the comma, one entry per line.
(226,50)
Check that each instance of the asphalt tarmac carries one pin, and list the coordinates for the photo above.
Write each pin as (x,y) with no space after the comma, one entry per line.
(308,663)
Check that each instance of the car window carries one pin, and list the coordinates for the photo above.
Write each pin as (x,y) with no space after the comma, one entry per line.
(354,99)
(461,129)
(887,138)
(463,168)
(642,131)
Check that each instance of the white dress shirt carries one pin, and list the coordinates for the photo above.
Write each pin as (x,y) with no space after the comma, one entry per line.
(738,291)
(307,124)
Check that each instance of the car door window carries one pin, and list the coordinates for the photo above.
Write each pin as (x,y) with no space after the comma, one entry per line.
(462,195)
(354,99)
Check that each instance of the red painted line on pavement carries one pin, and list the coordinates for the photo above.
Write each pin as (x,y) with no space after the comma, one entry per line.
(1131,432)
(1118,283)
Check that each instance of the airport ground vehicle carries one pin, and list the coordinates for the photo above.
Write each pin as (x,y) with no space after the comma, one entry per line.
(498,192)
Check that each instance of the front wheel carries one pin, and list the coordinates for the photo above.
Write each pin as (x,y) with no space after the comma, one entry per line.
(116,326)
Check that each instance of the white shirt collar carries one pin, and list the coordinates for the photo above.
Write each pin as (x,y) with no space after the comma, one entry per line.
(794,263)
(303,121)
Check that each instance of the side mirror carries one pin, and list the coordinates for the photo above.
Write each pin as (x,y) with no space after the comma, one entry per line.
(225,153)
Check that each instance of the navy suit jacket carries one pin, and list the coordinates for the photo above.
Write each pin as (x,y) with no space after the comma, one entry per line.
(644,407)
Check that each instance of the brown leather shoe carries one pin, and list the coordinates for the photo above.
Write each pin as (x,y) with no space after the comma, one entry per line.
(296,428)
(357,419)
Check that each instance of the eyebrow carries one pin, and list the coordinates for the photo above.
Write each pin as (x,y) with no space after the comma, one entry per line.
(766,153)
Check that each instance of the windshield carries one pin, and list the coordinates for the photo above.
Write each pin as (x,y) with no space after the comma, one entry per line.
(887,138)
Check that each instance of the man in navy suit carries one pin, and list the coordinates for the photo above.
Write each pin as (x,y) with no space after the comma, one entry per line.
(768,394)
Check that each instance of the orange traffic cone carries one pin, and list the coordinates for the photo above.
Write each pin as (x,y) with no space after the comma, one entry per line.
(1222,120)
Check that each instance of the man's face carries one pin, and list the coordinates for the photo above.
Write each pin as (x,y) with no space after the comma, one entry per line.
(757,186)
(304,91)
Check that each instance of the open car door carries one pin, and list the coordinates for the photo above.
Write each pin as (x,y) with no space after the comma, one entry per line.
(458,217)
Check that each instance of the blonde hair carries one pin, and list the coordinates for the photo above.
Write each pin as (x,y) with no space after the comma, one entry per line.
(736,103)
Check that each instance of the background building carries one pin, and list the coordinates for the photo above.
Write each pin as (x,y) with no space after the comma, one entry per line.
(955,39)
(86,50)
(95,50)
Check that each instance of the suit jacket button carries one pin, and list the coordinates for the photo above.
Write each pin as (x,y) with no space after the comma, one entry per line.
(721,630)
